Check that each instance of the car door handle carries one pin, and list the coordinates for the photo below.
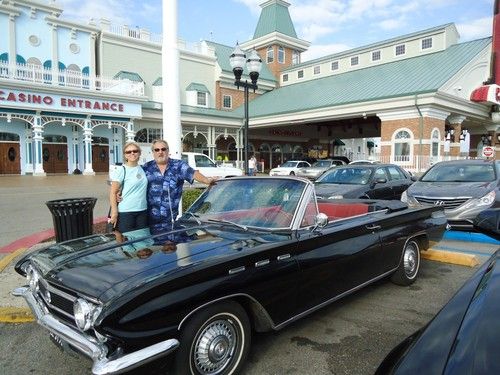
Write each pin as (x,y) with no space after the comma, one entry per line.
(373,227)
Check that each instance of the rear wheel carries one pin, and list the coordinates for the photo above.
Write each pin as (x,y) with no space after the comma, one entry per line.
(215,341)
(409,266)
(292,173)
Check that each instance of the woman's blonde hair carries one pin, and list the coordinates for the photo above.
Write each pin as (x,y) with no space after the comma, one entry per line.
(128,144)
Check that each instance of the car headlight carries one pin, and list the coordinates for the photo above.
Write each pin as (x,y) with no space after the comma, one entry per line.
(85,313)
(409,200)
(336,197)
(33,277)
(486,200)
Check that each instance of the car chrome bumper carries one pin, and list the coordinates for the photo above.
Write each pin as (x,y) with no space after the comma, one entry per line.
(90,347)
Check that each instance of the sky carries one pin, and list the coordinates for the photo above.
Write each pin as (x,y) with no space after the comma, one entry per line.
(329,25)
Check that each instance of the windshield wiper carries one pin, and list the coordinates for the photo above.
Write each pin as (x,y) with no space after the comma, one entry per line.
(194,216)
(241,226)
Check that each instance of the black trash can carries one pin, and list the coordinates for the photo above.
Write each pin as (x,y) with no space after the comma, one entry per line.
(72,217)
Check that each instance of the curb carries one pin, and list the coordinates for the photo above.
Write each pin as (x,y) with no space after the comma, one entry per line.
(16,315)
(443,256)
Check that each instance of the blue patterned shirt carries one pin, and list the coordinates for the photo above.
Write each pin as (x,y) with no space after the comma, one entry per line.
(165,190)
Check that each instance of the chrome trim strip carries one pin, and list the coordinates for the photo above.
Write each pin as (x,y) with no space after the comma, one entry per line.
(261,263)
(283,257)
(89,346)
(236,270)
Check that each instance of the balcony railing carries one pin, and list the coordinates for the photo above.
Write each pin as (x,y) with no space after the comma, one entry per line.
(69,78)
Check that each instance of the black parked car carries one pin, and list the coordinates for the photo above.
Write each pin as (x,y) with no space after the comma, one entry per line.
(370,181)
(463,188)
(463,338)
(252,253)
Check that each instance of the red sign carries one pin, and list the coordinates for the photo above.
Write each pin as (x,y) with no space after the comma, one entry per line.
(488,152)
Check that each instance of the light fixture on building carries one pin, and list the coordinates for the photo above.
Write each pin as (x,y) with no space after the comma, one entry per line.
(253,65)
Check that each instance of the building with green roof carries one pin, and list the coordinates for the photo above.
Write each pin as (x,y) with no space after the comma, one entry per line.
(404,100)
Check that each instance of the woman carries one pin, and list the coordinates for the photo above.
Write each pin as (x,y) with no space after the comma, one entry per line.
(130,179)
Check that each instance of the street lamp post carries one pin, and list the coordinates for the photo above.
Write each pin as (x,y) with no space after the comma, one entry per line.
(253,65)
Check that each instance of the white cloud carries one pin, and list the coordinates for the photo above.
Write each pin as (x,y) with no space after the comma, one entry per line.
(391,24)
(117,11)
(322,50)
(475,29)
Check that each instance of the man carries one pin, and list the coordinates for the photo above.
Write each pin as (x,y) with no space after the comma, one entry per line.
(165,181)
(252,164)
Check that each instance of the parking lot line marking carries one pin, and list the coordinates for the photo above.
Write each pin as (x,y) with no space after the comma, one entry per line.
(473,252)
(4,262)
(15,315)
(451,257)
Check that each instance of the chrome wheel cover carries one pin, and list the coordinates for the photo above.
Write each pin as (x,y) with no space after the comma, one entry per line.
(410,260)
(214,346)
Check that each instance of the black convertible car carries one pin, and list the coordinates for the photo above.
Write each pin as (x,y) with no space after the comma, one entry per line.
(251,254)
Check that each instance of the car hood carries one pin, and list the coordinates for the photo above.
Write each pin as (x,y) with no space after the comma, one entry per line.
(450,189)
(99,267)
(347,191)
(282,169)
(462,338)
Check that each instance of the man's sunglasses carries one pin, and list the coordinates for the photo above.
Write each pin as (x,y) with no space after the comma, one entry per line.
(160,149)
(132,152)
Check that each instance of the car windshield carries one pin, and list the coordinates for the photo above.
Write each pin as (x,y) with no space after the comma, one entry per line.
(348,176)
(322,164)
(255,202)
(460,173)
(289,164)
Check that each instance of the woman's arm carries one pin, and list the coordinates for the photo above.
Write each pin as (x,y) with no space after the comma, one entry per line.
(113,192)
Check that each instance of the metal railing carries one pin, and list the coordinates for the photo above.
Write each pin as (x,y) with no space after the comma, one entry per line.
(414,164)
(69,78)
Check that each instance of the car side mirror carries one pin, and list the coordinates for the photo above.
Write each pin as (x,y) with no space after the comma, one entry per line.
(414,178)
(379,181)
(320,221)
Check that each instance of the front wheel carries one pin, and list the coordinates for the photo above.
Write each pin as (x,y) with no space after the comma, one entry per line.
(409,266)
(292,173)
(215,341)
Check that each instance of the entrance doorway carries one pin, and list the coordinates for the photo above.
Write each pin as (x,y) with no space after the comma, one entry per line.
(10,161)
(55,157)
(100,158)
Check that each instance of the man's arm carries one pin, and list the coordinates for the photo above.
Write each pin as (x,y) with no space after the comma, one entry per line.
(203,179)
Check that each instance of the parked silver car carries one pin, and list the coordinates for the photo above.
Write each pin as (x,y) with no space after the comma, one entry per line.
(464,188)
(315,170)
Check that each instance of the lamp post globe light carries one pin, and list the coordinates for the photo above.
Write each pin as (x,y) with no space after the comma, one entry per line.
(253,64)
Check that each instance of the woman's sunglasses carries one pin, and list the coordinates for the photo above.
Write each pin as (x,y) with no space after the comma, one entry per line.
(132,152)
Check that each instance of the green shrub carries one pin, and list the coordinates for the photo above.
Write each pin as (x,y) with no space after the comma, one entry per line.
(189,196)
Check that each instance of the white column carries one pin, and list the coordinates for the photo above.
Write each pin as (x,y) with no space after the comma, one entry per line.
(75,144)
(87,141)
(28,140)
(55,56)
(93,58)
(131,132)
(12,45)
(172,130)
(37,139)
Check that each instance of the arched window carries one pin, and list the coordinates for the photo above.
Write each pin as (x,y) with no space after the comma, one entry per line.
(73,75)
(270,54)
(402,146)
(281,55)
(295,57)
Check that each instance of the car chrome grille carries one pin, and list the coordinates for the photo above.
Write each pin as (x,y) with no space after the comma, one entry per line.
(61,303)
(448,203)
